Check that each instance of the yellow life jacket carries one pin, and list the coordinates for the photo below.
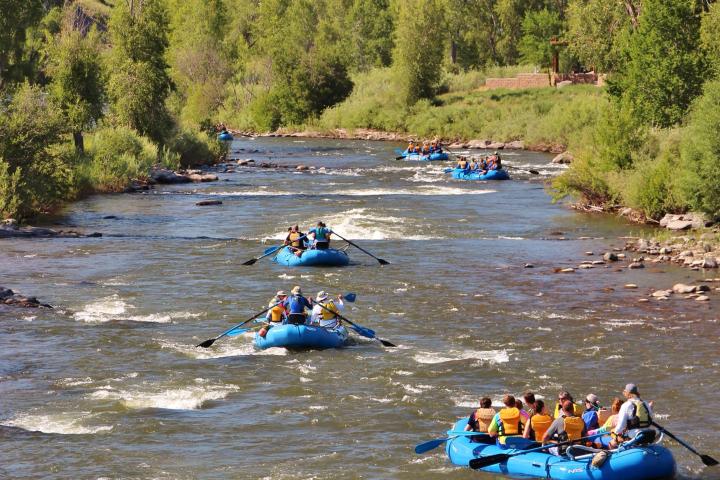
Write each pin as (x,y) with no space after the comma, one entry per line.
(462,164)
(540,424)
(510,418)
(295,239)
(332,313)
(603,414)
(641,419)
(276,313)
(483,419)
(573,426)
(577,410)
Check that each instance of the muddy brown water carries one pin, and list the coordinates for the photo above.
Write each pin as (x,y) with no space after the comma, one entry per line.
(109,384)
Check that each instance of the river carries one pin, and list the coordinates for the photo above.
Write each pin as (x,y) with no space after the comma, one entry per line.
(110,385)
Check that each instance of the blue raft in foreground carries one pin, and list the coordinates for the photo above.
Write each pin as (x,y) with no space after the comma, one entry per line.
(312,258)
(647,462)
(461,174)
(225,137)
(302,337)
(433,157)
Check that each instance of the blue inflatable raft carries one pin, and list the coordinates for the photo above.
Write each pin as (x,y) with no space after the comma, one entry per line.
(302,337)
(433,157)
(312,258)
(647,462)
(461,174)
(225,136)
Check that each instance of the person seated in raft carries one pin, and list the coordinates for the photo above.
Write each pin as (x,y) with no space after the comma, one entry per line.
(295,305)
(507,422)
(634,414)
(294,240)
(523,413)
(481,418)
(326,317)
(425,149)
(567,426)
(435,147)
(462,163)
(320,236)
(608,425)
(494,162)
(562,396)
(276,315)
(529,398)
(410,148)
(590,415)
(474,165)
(540,421)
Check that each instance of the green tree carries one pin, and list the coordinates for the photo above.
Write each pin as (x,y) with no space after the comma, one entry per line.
(77,80)
(370,26)
(418,55)
(16,16)
(710,37)
(700,153)
(594,30)
(661,70)
(139,81)
(474,31)
(538,28)
(35,174)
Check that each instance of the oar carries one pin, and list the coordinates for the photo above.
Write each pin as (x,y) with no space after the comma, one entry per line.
(268,251)
(382,262)
(706,459)
(209,342)
(482,462)
(433,444)
(363,331)
(534,172)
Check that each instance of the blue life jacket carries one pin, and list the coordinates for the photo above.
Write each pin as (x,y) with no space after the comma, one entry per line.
(297,304)
(321,234)
(590,418)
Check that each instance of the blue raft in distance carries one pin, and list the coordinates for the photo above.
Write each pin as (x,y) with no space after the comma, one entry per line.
(312,258)
(433,157)
(461,174)
(302,337)
(647,462)
(225,137)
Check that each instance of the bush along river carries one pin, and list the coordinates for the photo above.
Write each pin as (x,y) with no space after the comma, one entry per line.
(479,298)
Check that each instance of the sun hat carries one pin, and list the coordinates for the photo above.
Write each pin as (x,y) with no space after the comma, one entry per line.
(592,398)
(281,293)
(321,296)
(631,388)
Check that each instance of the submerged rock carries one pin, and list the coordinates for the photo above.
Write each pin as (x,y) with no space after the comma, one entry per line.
(8,297)
(610,257)
(13,231)
(206,203)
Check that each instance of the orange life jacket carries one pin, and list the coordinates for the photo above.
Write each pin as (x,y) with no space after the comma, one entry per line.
(277,313)
(483,419)
(573,427)
(540,424)
(603,415)
(295,239)
(510,422)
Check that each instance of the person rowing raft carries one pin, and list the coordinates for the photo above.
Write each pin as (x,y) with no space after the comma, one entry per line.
(294,240)
(325,312)
(634,415)
(320,236)
(295,305)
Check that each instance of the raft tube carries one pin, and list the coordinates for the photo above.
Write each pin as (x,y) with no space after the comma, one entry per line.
(302,337)
(312,258)
(647,462)
(225,137)
(433,157)
(461,174)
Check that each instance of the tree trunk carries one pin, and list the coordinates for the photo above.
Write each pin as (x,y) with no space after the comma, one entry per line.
(79,142)
(453,52)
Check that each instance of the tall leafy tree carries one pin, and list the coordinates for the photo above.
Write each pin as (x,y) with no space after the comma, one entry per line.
(16,16)
(370,26)
(661,69)
(474,31)
(78,80)
(418,56)
(710,37)
(539,27)
(139,80)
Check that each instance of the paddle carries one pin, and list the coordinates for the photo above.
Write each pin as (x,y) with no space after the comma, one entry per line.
(534,172)
(433,444)
(477,463)
(382,262)
(706,459)
(363,331)
(208,343)
(268,251)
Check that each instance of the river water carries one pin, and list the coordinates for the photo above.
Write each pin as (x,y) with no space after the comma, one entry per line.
(110,385)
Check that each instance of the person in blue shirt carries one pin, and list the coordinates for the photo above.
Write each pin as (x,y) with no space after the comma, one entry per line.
(320,236)
(590,415)
(295,305)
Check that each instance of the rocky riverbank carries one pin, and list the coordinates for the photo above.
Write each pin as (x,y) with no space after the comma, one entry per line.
(10,229)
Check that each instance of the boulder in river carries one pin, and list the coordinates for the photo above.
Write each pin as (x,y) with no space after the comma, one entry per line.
(14,231)
(478,144)
(683,289)
(8,297)
(563,158)
(635,265)
(206,203)
(610,257)
(684,221)
(515,145)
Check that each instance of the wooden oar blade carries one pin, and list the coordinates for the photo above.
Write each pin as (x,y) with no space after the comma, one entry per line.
(431,445)
(708,460)
(481,462)
(206,344)
(386,343)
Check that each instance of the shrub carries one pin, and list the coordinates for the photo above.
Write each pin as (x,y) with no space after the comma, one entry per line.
(196,148)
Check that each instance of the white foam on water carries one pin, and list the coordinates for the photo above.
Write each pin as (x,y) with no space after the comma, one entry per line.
(370,192)
(240,346)
(67,423)
(489,356)
(113,308)
(285,276)
(187,398)
(73,382)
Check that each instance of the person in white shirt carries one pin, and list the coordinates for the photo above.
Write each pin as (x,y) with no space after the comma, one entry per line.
(326,317)
(634,414)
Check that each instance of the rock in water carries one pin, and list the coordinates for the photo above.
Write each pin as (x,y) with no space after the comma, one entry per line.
(610,257)
(205,203)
